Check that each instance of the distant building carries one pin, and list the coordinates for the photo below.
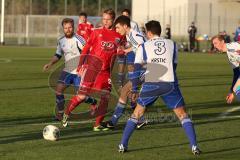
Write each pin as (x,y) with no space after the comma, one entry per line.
(210,16)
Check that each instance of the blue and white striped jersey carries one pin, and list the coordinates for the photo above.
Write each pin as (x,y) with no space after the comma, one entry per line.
(134,26)
(233,53)
(135,39)
(71,49)
(159,55)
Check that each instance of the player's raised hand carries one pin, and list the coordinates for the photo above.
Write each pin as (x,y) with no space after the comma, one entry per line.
(230,98)
(46,67)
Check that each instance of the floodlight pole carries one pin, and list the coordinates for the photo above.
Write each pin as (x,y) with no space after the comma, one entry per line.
(82,5)
(116,6)
(99,7)
(65,7)
(2,23)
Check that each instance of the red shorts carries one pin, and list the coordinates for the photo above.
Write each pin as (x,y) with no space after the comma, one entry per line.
(93,81)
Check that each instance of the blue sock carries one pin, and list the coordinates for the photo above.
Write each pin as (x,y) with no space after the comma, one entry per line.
(129,129)
(60,101)
(189,130)
(141,119)
(119,110)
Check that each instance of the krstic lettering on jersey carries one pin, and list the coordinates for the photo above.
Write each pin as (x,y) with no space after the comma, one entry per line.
(158,60)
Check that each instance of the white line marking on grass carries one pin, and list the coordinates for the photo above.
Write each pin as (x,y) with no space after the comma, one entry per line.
(5,60)
(26,59)
(230,117)
(58,123)
(227,112)
(47,123)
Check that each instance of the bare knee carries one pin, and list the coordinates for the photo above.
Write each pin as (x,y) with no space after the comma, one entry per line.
(130,68)
(81,96)
(180,113)
(138,112)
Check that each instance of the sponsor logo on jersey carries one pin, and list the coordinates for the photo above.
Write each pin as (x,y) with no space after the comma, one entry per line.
(107,45)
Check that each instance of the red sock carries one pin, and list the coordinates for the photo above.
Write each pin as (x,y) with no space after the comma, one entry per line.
(103,104)
(99,119)
(74,102)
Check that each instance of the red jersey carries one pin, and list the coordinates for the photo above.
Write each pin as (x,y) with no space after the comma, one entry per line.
(85,30)
(101,49)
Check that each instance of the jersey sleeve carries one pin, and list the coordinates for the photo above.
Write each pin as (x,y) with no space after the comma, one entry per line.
(59,51)
(136,40)
(236,74)
(86,48)
(139,58)
(80,42)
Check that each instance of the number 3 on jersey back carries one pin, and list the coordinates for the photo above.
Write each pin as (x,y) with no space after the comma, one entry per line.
(161,49)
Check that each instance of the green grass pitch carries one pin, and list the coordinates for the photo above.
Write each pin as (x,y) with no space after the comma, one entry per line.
(26,106)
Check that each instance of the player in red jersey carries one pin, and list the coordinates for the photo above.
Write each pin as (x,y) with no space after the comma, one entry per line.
(95,66)
(85,28)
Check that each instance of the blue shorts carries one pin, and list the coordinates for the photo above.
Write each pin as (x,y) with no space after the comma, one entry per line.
(121,59)
(169,92)
(130,57)
(69,79)
(127,59)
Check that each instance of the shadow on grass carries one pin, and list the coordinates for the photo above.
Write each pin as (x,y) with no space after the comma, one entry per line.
(23,88)
(25,120)
(200,141)
(65,134)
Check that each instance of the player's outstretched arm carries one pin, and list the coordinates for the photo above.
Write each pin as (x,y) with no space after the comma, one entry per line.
(54,60)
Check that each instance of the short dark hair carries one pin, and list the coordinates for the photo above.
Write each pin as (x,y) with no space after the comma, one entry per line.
(83,14)
(111,12)
(219,37)
(122,20)
(127,10)
(68,20)
(154,27)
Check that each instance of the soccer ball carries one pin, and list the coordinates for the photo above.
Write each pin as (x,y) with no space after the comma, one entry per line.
(51,133)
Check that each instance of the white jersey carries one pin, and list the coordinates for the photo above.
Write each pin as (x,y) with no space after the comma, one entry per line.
(159,55)
(233,53)
(134,26)
(135,39)
(71,49)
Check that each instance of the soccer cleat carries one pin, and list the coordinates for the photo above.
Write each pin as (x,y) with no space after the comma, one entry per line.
(141,124)
(100,128)
(65,120)
(196,151)
(108,124)
(121,148)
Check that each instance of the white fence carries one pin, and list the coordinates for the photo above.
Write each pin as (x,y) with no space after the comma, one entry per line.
(36,30)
